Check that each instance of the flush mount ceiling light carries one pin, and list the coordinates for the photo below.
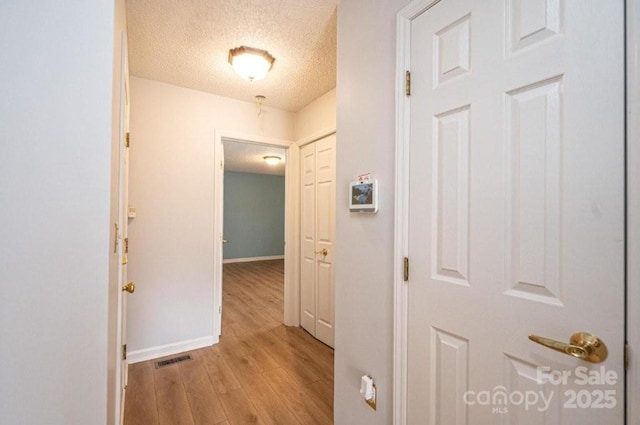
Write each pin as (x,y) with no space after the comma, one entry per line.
(250,63)
(272,160)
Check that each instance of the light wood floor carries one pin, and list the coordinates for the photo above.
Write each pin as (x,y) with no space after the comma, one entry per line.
(261,372)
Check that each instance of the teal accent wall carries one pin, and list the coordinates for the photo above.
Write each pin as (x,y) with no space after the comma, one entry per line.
(253,215)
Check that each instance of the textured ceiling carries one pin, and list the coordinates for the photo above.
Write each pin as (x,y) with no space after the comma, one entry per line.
(187,42)
(248,158)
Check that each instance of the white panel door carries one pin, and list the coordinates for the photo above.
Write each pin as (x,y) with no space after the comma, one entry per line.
(308,238)
(516,211)
(325,237)
(123,221)
(317,287)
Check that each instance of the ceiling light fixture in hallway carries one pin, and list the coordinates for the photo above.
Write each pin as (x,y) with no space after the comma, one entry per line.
(251,63)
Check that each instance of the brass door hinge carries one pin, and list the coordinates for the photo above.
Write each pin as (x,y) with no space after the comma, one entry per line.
(116,236)
(124,352)
(407,83)
(125,260)
(406,269)
(127,140)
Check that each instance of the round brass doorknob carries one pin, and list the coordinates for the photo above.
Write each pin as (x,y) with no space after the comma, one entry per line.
(129,287)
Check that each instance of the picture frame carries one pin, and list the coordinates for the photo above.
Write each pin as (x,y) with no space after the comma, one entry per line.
(363,196)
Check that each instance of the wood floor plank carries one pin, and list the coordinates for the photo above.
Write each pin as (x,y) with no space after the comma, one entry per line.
(287,358)
(309,348)
(219,372)
(244,367)
(139,365)
(269,405)
(234,324)
(239,359)
(253,321)
(254,349)
(238,408)
(312,360)
(203,400)
(308,410)
(323,392)
(140,406)
(274,313)
(173,406)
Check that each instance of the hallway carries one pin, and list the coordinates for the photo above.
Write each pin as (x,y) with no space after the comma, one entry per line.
(260,372)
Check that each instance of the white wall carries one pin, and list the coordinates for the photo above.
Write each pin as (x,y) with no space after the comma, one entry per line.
(633,206)
(316,119)
(172,187)
(56,83)
(366,140)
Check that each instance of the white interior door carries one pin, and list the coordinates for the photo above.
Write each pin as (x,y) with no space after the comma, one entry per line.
(325,236)
(516,211)
(308,238)
(123,206)
(317,282)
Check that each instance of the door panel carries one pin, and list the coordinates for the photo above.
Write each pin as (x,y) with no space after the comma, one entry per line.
(324,325)
(325,232)
(308,239)
(516,209)
(534,169)
(451,165)
(318,235)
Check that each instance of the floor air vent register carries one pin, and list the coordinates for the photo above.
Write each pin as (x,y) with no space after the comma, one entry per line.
(173,360)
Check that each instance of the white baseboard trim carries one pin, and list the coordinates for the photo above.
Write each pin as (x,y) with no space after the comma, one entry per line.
(169,349)
(249,259)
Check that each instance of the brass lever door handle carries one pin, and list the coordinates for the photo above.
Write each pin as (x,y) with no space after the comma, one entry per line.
(323,251)
(129,287)
(582,345)
(225,241)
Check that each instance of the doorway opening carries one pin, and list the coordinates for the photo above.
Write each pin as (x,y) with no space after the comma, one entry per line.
(257,147)
(253,236)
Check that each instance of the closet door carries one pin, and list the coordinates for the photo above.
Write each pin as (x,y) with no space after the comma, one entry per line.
(318,235)
(308,236)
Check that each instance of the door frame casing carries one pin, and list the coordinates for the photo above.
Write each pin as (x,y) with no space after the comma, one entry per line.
(401,230)
(291,233)
(401,225)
